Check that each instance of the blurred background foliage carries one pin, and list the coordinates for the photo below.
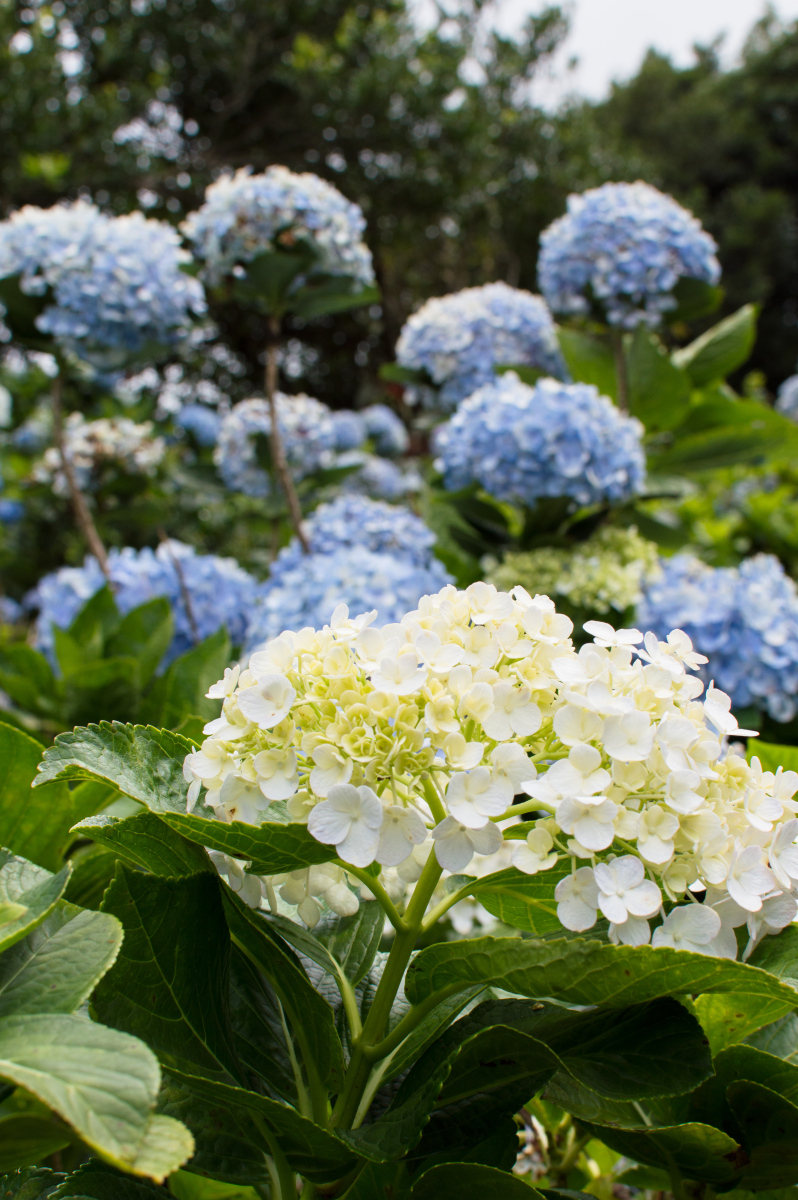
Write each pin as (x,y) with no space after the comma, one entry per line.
(432,131)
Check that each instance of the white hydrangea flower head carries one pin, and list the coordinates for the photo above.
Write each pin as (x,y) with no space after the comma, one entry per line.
(428,737)
(93,446)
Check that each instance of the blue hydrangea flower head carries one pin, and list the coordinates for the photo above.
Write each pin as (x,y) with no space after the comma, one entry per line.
(114,283)
(308,435)
(521,443)
(349,429)
(744,619)
(306,594)
(378,477)
(10,611)
(787,400)
(201,421)
(627,244)
(220,592)
(459,339)
(353,520)
(386,430)
(245,215)
(11,511)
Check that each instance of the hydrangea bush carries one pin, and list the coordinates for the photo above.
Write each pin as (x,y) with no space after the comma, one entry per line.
(459,340)
(308,433)
(624,246)
(220,593)
(95,446)
(113,286)
(745,618)
(521,443)
(246,215)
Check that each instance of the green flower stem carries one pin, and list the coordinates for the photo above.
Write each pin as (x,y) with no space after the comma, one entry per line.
(377,890)
(621,373)
(433,799)
(448,901)
(411,1019)
(359,1069)
(276,438)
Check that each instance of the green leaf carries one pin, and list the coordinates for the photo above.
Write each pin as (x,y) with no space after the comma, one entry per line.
(181,690)
(271,848)
(392,1136)
(333,295)
(658,391)
(728,1019)
(184,1185)
(170,981)
(697,1151)
(695,299)
(29,1184)
(772,756)
(36,825)
(93,869)
(31,892)
(310,1016)
(28,1139)
(769,1127)
(27,677)
(394,373)
(779,1039)
(101,1082)
(522,901)
(144,634)
(581,971)
(260,1030)
(143,763)
(311,1150)
(98,620)
(57,966)
(723,432)
(146,841)
(589,360)
(779,956)
(227,1144)
(353,941)
(471,1181)
(96,1181)
(719,351)
(269,277)
(379,1181)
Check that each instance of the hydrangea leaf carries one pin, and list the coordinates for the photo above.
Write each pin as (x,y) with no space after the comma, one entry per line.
(185,1185)
(30,1183)
(769,1128)
(27,894)
(720,432)
(57,966)
(779,1039)
(260,1030)
(147,842)
(333,295)
(95,1180)
(393,1135)
(316,1153)
(711,1102)
(271,848)
(143,763)
(353,941)
(25,1139)
(578,971)
(589,360)
(772,756)
(658,390)
(309,1015)
(721,349)
(36,824)
(471,1181)
(779,956)
(728,1019)
(170,981)
(181,690)
(522,901)
(28,679)
(101,1082)
(145,633)
(697,1151)
(694,299)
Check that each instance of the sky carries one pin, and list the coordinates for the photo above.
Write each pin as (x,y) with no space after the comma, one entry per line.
(610,37)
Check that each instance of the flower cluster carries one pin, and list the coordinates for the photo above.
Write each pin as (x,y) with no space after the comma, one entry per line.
(245,215)
(606,571)
(113,285)
(554,439)
(92,446)
(364,553)
(624,246)
(385,429)
(200,421)
(745,618)
(787,400)
(458,340)
(219,591)
(349,429)
(378,477)
(398,743)
(308,436)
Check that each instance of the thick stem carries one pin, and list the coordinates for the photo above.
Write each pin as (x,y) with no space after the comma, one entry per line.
(181,581)
(359,1069)
(83,515)
(283,1178)
(276,440)
(621,373)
